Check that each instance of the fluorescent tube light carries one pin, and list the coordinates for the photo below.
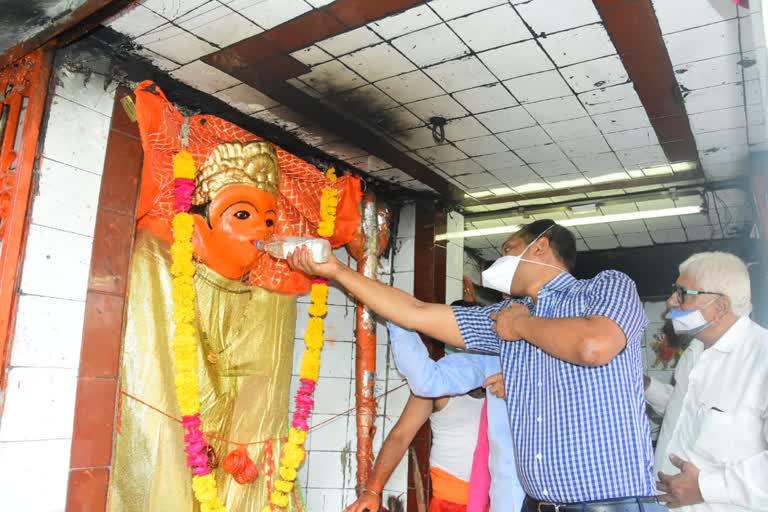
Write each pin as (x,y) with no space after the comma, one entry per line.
(585,221)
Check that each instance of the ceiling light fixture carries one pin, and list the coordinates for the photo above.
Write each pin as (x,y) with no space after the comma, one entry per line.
(584,221)
(438,128)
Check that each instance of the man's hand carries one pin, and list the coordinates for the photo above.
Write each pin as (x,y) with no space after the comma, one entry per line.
(495,384)
(367,501)
(301,259)
(681,489)
(506,321)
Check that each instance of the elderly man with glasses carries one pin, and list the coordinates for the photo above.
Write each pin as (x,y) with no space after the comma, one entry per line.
(712,452)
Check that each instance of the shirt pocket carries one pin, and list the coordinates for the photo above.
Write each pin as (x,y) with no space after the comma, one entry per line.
(729,436)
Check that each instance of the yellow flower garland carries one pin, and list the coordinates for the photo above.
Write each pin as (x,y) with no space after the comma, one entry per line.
(293,450)
(184,336)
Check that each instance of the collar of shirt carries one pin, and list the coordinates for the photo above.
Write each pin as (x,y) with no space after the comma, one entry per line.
(730,339)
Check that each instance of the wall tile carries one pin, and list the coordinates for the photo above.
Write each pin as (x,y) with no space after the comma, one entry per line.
(93,91)
(48,332)
(398,482)
(454,264)
(66,198)
(94,421)
(331,436)
(102,337)
(111,252)
(39,404)
(406,227)
(336,360)
(88,490)
(340,323)
(122,171)
(56,264)
(404,254)
(47,491)
(454,290)
(76,135)
(331,477)
(324,499)
(332,396)
(404,281)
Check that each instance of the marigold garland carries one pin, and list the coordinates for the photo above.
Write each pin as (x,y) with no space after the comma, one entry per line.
(185,337)
(293,450)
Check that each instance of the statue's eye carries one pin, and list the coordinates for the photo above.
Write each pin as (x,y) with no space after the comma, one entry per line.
(242,214)
(270,223)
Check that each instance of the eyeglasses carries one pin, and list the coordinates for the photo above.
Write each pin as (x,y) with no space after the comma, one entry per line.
(681,292)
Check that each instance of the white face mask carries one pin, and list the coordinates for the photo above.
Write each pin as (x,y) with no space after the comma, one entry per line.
(688,322)
(499,276)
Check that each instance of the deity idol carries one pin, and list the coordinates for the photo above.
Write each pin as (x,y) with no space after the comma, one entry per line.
(245,336)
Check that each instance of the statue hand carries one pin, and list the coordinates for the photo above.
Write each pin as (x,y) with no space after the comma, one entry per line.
(301,259)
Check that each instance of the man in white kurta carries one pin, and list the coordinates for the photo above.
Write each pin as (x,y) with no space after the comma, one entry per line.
(712,452)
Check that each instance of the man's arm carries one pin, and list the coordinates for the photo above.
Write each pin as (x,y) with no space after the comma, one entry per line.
(435,320)
(454,374)
(416,412)
(613,316)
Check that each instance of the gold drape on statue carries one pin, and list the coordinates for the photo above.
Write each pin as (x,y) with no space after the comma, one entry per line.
(246,338)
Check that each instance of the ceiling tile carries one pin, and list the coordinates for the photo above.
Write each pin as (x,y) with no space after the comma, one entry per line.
(218,24)
(175,44)
(714,98)
(246,99)
(714,120)
(628,139)
(392,175)
(539,86)
(481,179)
(342,150)
(703,233)
(635,239)
(698,219)
(204,77)
(622,120)
(703,42)
(491,28)
(363,99)
(516,60)
(449,9)
(464,128)
(529,188)
(709,72)
(431,45)
(595,230)
(679,15)
(311,55)
(135,21)
(268,13)
(663,223)
(378,62)
(720,138)
(571,129)
(731,197)
(396,120)
(554,168)
(318,3)
(298,84)
(605,162)
(506,119)
(332,77)
(157,59)
(516,175)
(485,98)
(647,156)
(601,243)
(410,87)
(581,246)
(460,74)
(498,161)
(628,226)
(558,109)
(525,137)
(481,146)
(721,155)
(548,16)
(442,106)
(595,74)
(668,236)
(578,45)
(349,41)
(568,181)
(369,163)
(460,167)
(585,146)
(416,138)
(535,154)
(282,117)
(610,99)
(442,153)
(172,9)
(406,22)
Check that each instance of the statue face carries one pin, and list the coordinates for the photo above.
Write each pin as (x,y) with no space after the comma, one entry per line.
(239,215)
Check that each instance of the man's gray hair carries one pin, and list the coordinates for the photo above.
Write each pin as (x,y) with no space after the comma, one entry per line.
(723,273)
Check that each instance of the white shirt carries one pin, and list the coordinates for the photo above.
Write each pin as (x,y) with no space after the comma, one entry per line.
(716,417)
(454,435)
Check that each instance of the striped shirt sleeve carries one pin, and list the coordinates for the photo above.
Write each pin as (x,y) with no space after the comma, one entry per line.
(475,326)
(614,295)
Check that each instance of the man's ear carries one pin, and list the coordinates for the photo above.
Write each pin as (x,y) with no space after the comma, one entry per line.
(542,245)
(723,306)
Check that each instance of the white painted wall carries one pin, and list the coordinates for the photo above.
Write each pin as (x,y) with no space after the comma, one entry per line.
(38,414)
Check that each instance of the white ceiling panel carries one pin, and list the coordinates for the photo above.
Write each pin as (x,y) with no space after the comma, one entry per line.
(485,98)
(349,41)
(709,72)
(585,146)
(516,60)
(431,45)
(460,74)
(378,62)
(501,160)
(267,13)
(506,119)
(715,120)
(410,87)
(571,129)
(461,167)
(312,55)
(610,99)
(558,109)
(604,162)
(332,77)
(578,45)
(554,168)
(441,106)
(175,44)
(676,15)
(596,74)
(627,139)
(543,153)
(491,28)
(406,22)
(538,87)
(481,146)
(622,120)
(525,137)
(442,153)
(703,42)
(449,9)
(548,16)
(218,24)
(464,128)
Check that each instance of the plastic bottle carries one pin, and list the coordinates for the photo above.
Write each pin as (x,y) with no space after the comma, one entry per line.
(280,246)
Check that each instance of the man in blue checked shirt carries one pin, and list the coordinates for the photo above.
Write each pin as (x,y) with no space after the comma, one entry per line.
(571,357)
(456,374)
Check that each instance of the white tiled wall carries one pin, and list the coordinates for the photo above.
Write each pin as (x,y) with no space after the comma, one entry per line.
(655,312)
(329,474)
(454,265)
(38,409)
